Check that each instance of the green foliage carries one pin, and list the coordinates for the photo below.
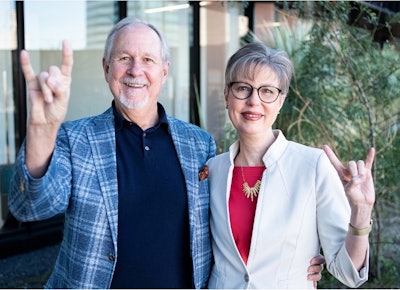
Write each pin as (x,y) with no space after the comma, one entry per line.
(346,92)
(230,136)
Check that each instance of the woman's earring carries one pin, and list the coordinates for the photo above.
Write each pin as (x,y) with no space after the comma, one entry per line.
(227,105)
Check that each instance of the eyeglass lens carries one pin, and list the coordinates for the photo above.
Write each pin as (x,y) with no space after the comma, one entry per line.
(267,94)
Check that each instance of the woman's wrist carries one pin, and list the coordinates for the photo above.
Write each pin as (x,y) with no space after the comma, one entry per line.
(360,231)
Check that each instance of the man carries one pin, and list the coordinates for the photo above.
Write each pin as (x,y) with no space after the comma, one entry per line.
(136,211)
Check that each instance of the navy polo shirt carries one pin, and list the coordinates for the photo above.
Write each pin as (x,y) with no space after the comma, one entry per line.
(153,221)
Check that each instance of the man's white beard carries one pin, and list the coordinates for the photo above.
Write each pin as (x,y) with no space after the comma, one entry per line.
(132,104)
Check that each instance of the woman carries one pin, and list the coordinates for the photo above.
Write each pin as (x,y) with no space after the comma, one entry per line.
(275,203)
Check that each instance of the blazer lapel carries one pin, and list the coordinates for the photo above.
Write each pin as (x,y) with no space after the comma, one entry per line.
(101,136)
(185,146)
(185,151)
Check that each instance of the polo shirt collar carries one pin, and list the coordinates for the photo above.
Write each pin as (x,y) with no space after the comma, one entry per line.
(120,120)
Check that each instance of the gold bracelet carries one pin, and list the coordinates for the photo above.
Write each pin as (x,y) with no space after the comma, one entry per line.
(360,232)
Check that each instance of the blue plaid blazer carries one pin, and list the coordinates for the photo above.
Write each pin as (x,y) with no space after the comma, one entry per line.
(81,182)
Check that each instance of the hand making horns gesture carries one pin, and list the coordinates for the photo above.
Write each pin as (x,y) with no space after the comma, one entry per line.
(49,91)
(357,181)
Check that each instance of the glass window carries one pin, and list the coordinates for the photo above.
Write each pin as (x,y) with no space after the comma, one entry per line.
(222,24)
(85,24)
(8,43)
(172,18)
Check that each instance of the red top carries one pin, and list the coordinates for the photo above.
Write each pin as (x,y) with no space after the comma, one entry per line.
(242,209)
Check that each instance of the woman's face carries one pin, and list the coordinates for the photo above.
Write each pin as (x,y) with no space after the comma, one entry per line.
(253,116)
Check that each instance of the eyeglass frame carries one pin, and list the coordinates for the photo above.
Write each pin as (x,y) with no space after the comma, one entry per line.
(252,89)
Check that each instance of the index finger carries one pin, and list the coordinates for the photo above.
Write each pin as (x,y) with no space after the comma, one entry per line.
(67,59)
(333,158)
(26,66)
(370,158)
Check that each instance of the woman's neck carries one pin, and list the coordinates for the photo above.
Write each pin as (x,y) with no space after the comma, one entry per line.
(253,148)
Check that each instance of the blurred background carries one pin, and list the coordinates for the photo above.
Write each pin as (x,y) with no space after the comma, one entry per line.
(345,92)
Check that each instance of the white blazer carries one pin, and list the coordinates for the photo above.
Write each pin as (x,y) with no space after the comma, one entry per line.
(301,207)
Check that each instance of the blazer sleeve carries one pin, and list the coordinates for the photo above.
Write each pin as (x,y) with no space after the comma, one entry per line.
(333,215)
(32,199)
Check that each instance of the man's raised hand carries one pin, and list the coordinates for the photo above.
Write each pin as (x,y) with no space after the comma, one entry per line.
(49,91)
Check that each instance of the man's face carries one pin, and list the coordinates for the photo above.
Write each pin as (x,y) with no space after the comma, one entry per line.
(135,73)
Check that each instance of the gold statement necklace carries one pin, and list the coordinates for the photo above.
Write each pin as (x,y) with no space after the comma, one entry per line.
(250,192)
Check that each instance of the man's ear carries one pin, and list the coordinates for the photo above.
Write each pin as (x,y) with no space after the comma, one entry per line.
(106,69)
(165,71)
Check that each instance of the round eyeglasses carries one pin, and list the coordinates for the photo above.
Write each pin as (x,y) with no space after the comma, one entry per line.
(242,90)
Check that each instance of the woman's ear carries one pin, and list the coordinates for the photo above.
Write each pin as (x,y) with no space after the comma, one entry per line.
(282,100)
(226,91)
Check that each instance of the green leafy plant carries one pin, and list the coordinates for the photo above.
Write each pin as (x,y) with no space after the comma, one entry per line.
(346,92)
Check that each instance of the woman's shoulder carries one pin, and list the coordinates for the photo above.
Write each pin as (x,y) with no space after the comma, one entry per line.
(305,149)
(222,158)
(304,154)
